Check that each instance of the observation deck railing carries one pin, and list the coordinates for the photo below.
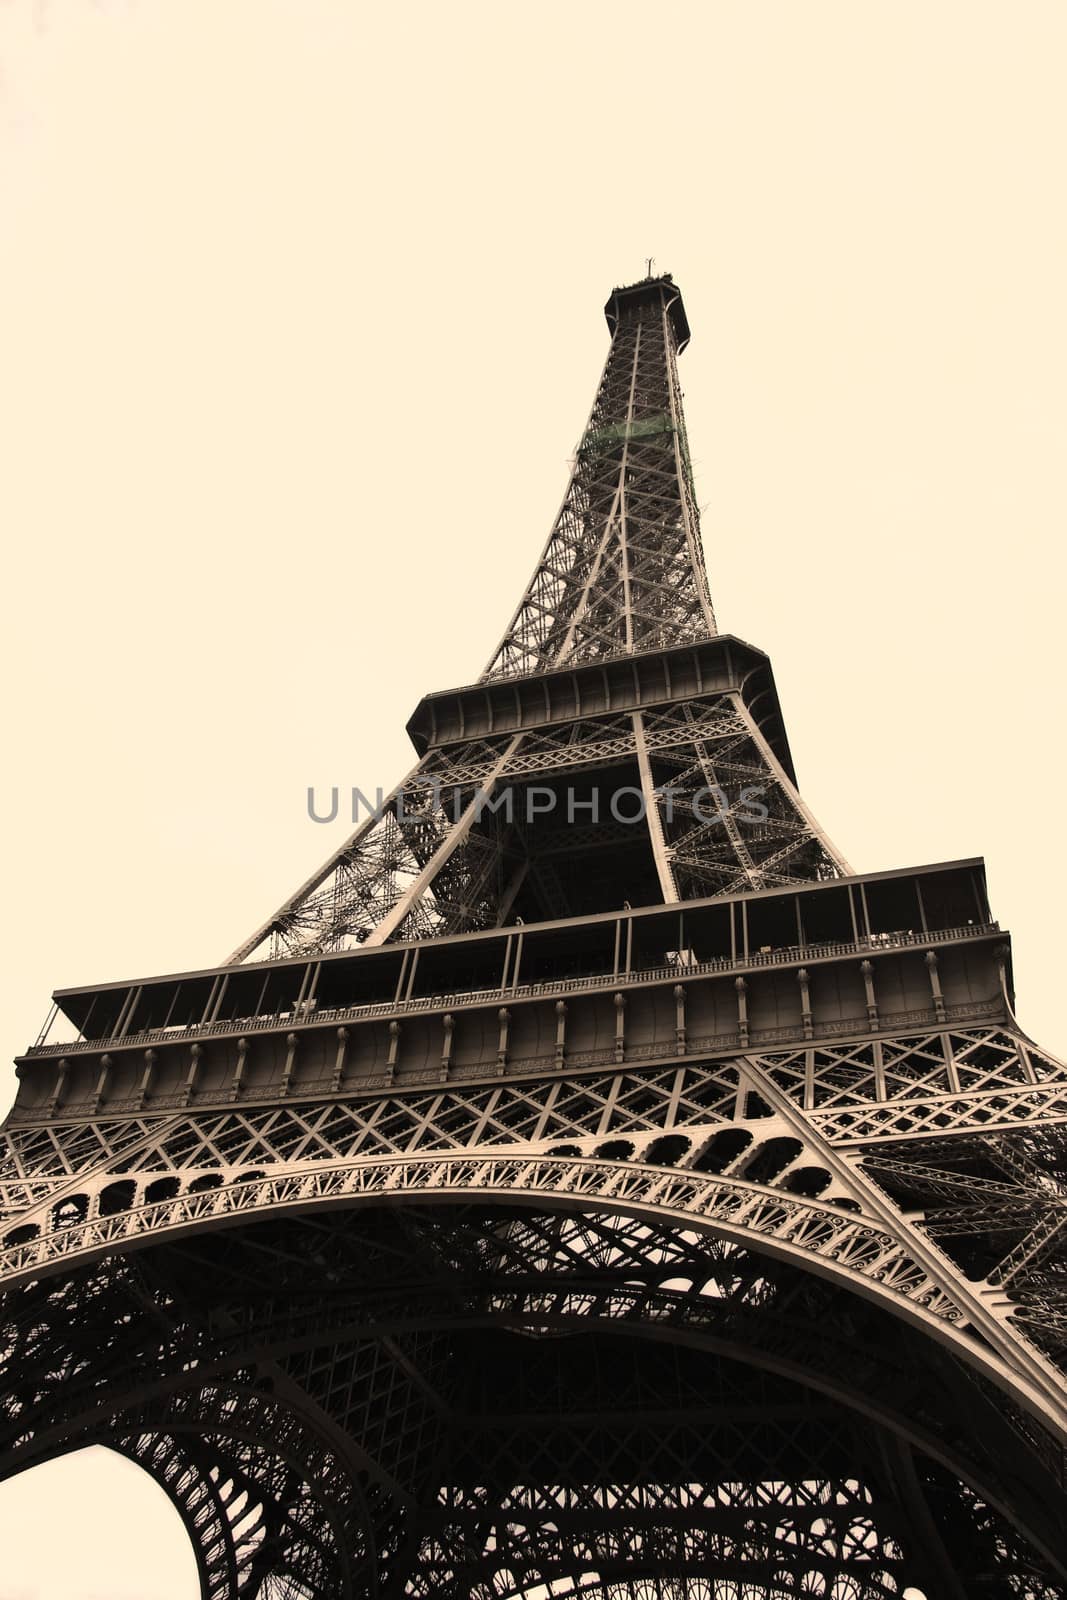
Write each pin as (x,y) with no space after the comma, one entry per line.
(676,972)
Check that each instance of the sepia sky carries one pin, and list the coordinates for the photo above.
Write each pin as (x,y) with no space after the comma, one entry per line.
(300,320)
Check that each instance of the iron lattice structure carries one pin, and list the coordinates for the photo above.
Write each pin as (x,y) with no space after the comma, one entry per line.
(551,1199)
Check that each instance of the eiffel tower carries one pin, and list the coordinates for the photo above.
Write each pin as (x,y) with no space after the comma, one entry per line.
(585,1184)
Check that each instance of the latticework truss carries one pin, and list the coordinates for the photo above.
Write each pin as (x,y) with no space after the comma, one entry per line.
(682,800)
(455,847)
(623,569)
(673,1211)
(710,1251)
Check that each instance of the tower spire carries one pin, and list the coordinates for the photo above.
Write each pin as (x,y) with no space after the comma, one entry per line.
(615,681)
(623,569)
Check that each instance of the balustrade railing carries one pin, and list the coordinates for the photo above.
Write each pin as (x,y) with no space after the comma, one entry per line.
(303,1017)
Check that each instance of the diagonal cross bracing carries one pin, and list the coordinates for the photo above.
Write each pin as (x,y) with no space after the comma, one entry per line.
(652,1211)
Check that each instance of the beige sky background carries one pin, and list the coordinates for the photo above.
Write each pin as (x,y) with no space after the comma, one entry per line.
(300,319)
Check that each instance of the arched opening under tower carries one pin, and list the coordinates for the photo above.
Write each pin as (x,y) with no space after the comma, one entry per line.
(480,1399)
(115,1532)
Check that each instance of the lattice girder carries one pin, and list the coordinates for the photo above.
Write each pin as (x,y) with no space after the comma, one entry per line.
(623,568)
(319,1158)
(637,1206)
(448,848)
(571,1253)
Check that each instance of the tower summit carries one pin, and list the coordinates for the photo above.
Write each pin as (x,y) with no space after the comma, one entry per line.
(585,1183)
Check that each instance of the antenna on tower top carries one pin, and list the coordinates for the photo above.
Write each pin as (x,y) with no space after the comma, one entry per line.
(650,260)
